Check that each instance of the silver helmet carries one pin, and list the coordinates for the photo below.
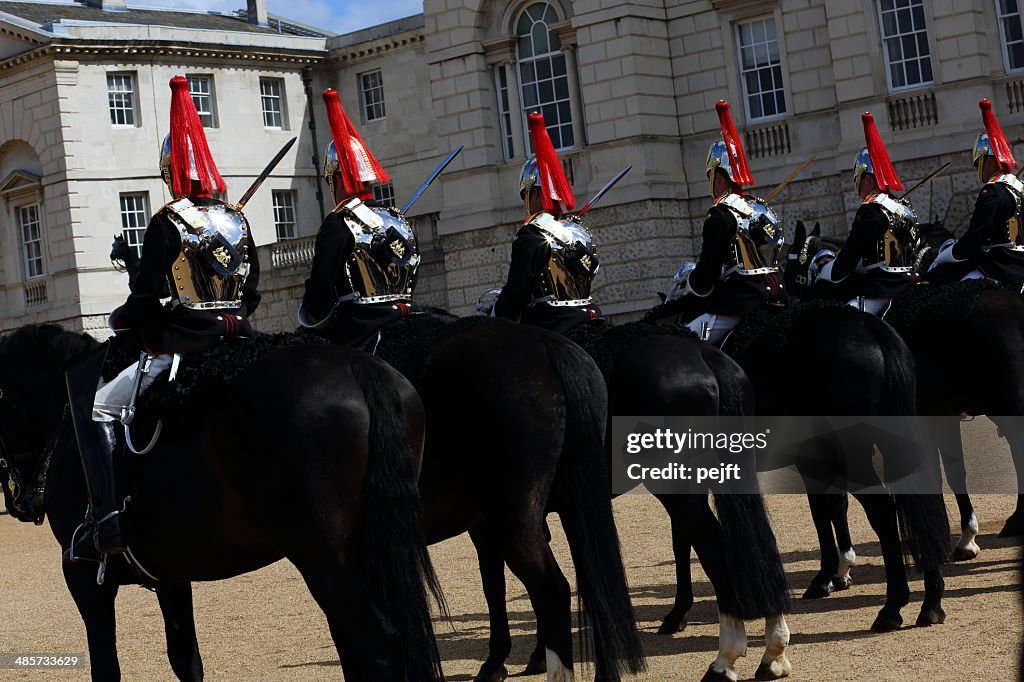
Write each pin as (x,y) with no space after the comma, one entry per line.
(530,176)
(982,148)
(332,163)
(718,159)
(165,163)
(861,166)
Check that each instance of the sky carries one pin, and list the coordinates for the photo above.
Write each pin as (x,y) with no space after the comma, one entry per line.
(340,16)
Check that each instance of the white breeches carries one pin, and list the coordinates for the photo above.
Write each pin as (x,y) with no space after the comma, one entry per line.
(875,306)
(113,397)
(716,329)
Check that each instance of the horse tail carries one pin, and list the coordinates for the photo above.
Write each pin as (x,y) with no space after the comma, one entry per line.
(394,550)
(751,551)
(582,490)
(924,523)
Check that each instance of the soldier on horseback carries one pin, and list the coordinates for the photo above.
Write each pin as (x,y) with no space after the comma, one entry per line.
(366,258)
(554,258)
(993,246)
(737,271)
(202,250)
(876,262)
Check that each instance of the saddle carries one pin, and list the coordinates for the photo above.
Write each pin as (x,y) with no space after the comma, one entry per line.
(767,329)
(603,340)
(927,304)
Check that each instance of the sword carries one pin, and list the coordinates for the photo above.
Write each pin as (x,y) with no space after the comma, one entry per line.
(789,178)
(931,177)
(264,175)
(433,176)
(601,192)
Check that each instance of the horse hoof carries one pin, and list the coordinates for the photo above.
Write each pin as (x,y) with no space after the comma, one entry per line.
(537,665)
(841,582)
(819,590)
(775,670)
(966,552)
(935,616)
(887,622)
(491,672)
(713,675)
(1014,527)
(672,624)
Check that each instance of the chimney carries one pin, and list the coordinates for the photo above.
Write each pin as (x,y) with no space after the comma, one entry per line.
(108,5)
(258,12)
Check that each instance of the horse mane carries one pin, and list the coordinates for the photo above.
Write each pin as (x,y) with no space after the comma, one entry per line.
(35,345)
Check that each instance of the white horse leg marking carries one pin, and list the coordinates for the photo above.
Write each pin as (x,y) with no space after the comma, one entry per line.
(847,560)
(967,548)
(776,639)
(732,644)
(557,672)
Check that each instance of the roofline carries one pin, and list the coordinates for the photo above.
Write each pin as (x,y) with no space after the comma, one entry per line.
(413,22)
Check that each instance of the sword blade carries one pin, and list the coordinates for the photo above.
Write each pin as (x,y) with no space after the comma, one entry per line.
(601,192)
(264,175)
(789,178)
(433,176)
(931,177)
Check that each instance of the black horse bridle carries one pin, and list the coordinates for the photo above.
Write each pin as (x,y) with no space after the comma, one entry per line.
(20,494)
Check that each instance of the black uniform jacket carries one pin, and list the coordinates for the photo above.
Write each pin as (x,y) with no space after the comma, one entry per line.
(351,323)
(530,255)
(172,329)
(869,226)
(994,208)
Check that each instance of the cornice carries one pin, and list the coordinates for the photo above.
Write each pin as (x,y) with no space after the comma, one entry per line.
(373,48)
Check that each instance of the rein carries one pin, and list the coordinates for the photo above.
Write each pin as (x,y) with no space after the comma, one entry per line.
(14,478)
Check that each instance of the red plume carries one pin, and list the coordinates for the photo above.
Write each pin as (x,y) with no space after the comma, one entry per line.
(1000,147)
(187,132)
(737,157)
(885,174)
(554,185)
(343,132)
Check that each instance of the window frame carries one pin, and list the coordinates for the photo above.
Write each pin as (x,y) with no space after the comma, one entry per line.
(1002,37)
(282,110)
(574,126)
(133,79)
(277,208)
(783,75)
(885,49)
(38,241)
(504,108)
(125,213)
(384,192)
(211,95)
(365,104)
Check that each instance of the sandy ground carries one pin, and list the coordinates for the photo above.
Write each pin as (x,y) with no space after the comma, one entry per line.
(265,625)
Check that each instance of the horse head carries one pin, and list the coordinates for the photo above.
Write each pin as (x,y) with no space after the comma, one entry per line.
(120,253)
(33,404)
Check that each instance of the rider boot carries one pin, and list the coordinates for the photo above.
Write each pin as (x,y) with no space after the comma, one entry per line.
(101,533)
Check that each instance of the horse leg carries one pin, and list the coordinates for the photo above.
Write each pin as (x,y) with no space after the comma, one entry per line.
(675,621)
(180,626)
(946,432)
(844,543)
(881,513)
(530,559)
(824,508)
(931,610)
(492,574)
(367,644)
(1014,526)
(732,644)
(774,663)
(96,605)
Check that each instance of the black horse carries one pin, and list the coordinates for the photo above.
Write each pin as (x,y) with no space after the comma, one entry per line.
(124,258)
(516,421)
(657,371)
(331,435)
(967,364)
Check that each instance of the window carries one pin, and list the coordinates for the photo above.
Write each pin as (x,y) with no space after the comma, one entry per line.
(761,69)
(121,99)
(905,39)
(385,194)
(201,89)
(542,72)
(271,91)
(505,113)
(284,214)
(31,240)
(134,219)
(373,95)
(1011,30)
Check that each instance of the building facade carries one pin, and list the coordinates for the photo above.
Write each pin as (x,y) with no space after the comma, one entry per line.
(84,99)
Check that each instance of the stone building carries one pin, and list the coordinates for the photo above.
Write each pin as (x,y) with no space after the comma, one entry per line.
(619,82)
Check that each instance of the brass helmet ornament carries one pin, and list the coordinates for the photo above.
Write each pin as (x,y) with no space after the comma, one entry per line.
(185,154)
(874,159)
(355,161)
(727,154)
(544,170)
(993,143)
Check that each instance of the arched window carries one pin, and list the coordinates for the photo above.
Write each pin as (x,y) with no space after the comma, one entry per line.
(543,78)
